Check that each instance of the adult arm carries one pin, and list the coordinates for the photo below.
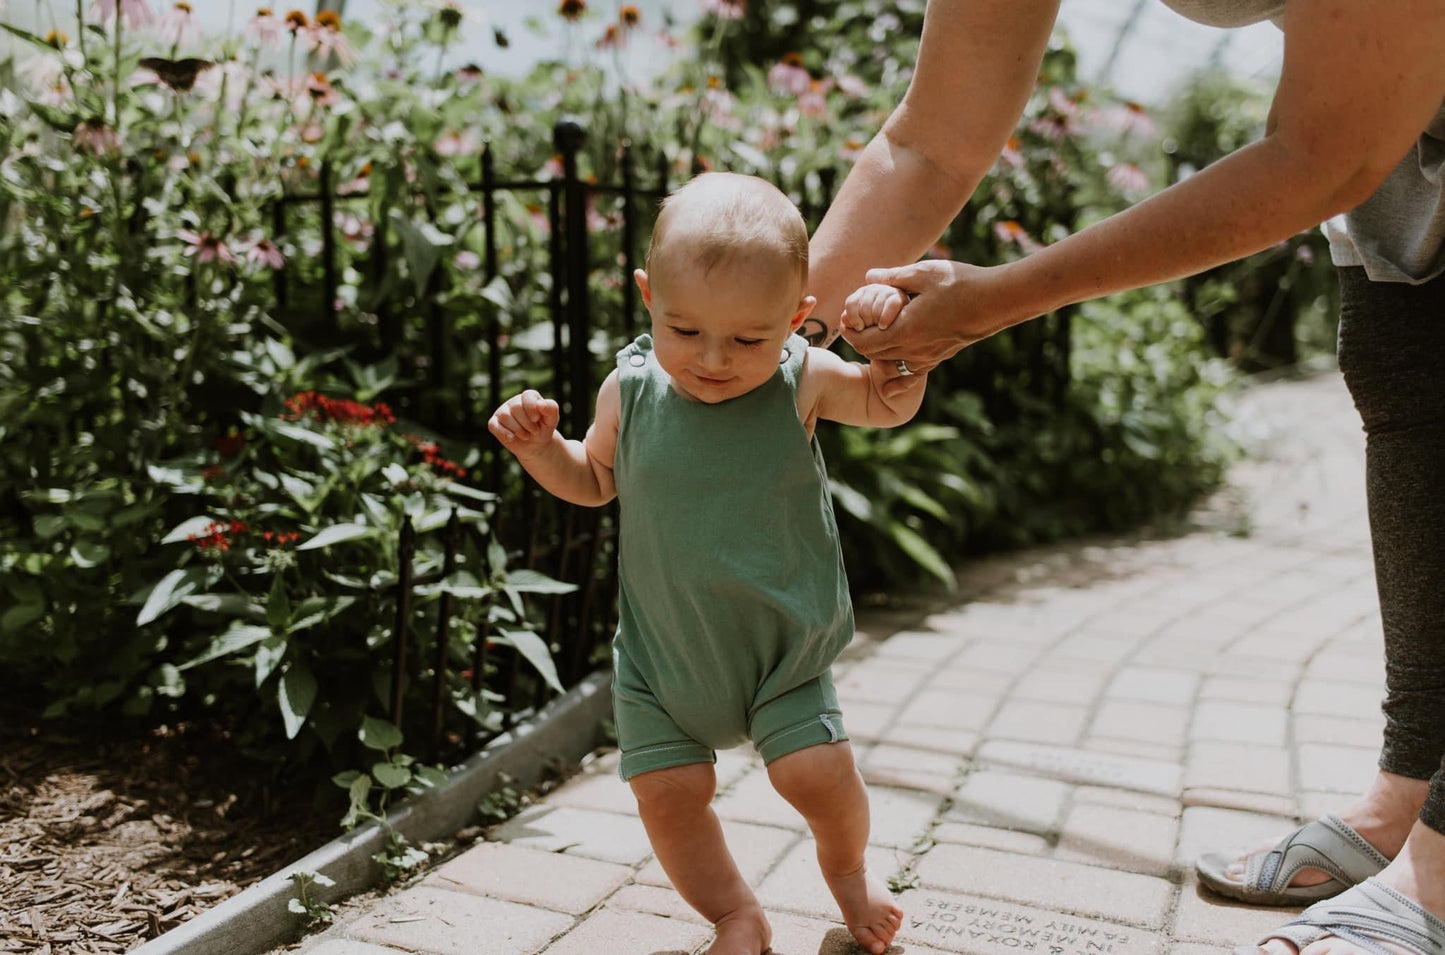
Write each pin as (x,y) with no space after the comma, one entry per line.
(977,63)
(1359,84)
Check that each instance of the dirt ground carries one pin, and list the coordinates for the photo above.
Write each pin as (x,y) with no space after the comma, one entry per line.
(109,840)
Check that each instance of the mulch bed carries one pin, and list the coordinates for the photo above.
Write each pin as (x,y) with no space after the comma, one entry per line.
(108,840)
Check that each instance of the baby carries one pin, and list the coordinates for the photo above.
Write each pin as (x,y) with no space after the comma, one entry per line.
(733,603)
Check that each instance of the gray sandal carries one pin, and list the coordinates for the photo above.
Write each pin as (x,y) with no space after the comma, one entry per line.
(1328,844)
(1368,915)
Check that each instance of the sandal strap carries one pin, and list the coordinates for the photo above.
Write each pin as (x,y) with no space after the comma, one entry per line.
(1368,915)
(1328,844)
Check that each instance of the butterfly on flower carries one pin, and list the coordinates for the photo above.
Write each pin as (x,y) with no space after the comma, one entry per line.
(179,75)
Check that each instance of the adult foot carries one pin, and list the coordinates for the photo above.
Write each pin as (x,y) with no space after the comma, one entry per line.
(1382,817)
(744,931)
(868,909)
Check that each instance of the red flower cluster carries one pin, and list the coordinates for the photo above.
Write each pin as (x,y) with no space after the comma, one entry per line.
(432,454)
(213,473)
(280,538)
(217,536)
(339,410)
(230,445)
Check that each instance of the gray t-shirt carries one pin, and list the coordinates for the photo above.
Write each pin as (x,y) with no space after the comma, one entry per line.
(1398,234)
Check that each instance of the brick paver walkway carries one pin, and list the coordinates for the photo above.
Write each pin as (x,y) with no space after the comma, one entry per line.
(1044,761)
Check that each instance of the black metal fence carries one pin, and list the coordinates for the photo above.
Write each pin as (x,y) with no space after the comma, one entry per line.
(568,543)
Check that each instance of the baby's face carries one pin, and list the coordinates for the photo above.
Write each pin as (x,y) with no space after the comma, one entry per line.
(720,335)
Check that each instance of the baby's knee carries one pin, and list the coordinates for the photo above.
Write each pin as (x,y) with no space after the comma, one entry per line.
(816,772)
(676,789)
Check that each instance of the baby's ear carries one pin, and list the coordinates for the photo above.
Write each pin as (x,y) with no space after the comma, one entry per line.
(805,308)
(640,277)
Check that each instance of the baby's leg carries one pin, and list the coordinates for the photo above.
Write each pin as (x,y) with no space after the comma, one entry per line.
(676,808)
(823,784)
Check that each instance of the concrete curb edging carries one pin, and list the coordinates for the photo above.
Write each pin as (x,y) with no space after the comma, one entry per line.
(257,919)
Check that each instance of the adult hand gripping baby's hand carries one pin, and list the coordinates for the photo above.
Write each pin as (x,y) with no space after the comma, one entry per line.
(947,311)
(526,423)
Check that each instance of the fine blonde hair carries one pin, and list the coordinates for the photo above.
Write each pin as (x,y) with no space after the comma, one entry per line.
(724,218)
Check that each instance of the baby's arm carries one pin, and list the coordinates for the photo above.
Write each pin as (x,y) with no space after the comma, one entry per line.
(852,392)
(873,305)
(575,471)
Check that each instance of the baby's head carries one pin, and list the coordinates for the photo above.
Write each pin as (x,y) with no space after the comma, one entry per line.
(725,280)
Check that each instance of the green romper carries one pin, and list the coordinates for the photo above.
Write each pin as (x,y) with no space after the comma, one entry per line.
(733,602)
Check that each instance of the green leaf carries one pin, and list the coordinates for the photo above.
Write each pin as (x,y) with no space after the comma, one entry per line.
(535,651)
(852,501)
(391,775)
(236,605)
(395,473)
(48,525)
(298,433)
(238,637)
(457,489)
(378,734)
(89,553)
(278,607)
(344,780)
(172,588)
(336,534)
(534,582)
(21,616)
(922,553)
(314,610)
(268,657)
(422,243)
(357,792)
(297,693)
(183,530)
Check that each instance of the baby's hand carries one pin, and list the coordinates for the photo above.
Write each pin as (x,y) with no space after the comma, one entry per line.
(525,424)
(873,305)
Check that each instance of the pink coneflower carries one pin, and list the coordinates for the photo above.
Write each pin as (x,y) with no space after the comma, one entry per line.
(1012,154)
(178,25)
(319,88)
(265,252)
(466,261)
(852,86)
(1128,178)
(205,247)
(458,143)
(469,75)
(552,168)
(1130,118)
(815,101)
(355,230)
(265,29)
(92,135)
(137,13)
(324,37)
(1012,233)
(788,76)
(612,38)
(851,149)
(724,9)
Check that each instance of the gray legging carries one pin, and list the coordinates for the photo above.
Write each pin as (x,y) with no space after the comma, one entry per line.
(1392,353)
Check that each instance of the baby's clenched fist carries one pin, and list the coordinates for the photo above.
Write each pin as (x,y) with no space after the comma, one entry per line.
(873,305)
(526,423)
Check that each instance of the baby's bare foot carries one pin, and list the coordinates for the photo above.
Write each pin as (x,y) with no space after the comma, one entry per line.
(743,932)
(868,910)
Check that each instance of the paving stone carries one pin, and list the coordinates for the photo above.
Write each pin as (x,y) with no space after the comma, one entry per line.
(612,930)
(1082,766)
(796,885)
(1000,656)
(929,647)
(1204,917)
(551,880)
(886,755)
(455,923)
(1260,769)
(1158,752)
(867,721)
(988,837)
(1129,799)
(1367,734)
(880,682)
(1034,722)
(1365,668)
(1093,647)
(655,900)
(1248,802)
(734,764)
(1246,690)
(901,817)
(1250,667)
(1009,801)
(1121,839)
(343,946)
(607,836)
(932,738)
(1333,698)
(1315,805)
(753,799)
(1206,829)
(1196,948)
(1154,685)
(1139,619)
(979,926)
(1058,685)
(603,792)
(1341,769)
(1270,644)
(799,935)
(1060,886)
(1239,723)
(1142,722)
(950,709)
(1008,625)
(754,848)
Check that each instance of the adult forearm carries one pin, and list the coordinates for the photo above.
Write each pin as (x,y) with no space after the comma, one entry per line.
(893,206)
(1247,202)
